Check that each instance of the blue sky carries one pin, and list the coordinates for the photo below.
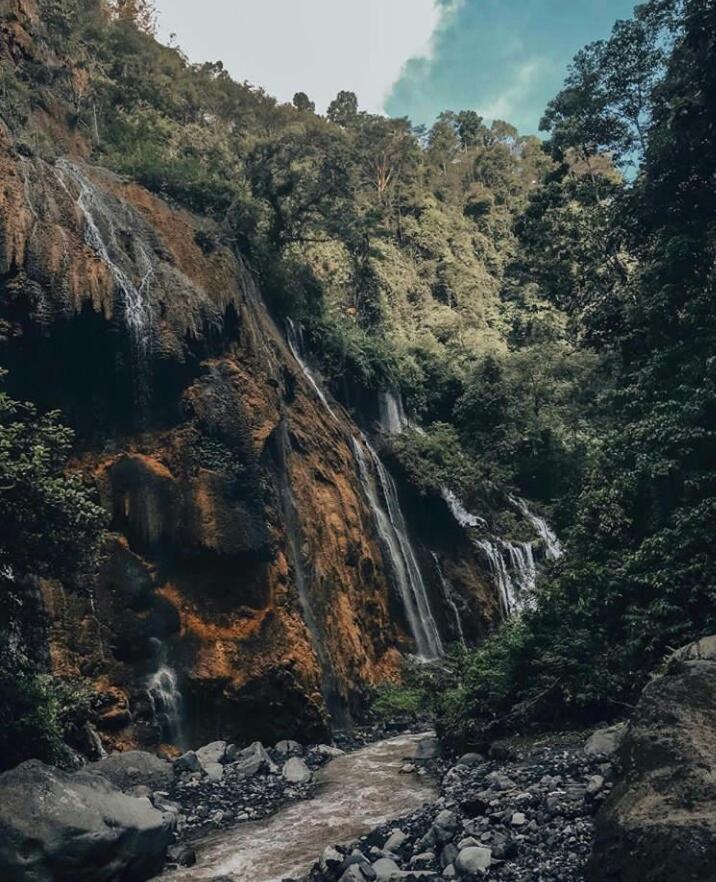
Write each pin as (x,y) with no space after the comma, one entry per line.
(504,58)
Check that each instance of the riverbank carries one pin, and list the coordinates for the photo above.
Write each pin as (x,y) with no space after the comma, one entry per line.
(353,794)
(524,813)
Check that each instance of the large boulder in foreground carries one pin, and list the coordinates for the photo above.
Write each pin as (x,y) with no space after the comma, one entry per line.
(62,827)
(126,770)
(659,824)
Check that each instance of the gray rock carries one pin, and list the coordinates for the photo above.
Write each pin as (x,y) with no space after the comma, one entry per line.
(295,771)
(133,767)
(214,771)
(407,768)
(385,869)
(447,820)
(330,861)
(252,760)
(354,873)
(449,854)
(289,748)
(211,753)
(518,819)
(450,872)
(187,763)
(328,751)
(605,742)
(427,748)
(395,841)
(80,827)
(471,759)
(659,822)
(474,859)
(594,785)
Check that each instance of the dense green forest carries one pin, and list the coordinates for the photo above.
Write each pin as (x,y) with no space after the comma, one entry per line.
(544,305)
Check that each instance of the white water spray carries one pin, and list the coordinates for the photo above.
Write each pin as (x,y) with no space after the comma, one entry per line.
(101,235)
(163,687)
(294,338)
(382,496)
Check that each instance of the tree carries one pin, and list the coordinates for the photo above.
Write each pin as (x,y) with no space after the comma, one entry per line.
(142,13)
(343,110)
(470,128)
(303,103)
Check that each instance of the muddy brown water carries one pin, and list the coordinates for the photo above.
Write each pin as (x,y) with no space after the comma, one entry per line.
(356,792)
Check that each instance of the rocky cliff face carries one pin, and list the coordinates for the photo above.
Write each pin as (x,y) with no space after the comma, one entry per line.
(243,589)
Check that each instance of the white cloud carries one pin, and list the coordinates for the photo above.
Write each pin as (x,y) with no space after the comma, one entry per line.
(505,105)
(316,46)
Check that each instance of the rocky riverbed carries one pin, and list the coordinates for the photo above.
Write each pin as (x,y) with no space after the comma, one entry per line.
(523,813)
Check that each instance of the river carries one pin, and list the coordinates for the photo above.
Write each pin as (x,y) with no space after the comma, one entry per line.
(356,792)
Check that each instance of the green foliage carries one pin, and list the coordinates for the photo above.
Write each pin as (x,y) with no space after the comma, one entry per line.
(390,702)
(38,713)
(51,524)
(638,578)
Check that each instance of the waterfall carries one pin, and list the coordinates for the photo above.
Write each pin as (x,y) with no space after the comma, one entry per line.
(392,413)
(163,687)
(294,338)
(449,595)
(335,704)
(459,512)
(501,576)
(552,546)
(382,496)
(102,236)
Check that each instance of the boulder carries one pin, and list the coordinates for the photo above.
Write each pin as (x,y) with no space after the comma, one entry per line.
(473,859)
(328,751)
(252,760)
(183,855)
(427,748)
(211,753)
(396,841)
(605,742)
(385,869)
(289,748)
(295,771)
(471,759)
(330,861)
(62,827)
(214,771)
(659,823)
(188,762)
(126,770)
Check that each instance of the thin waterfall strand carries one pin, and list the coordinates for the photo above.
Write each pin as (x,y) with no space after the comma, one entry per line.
(403,563)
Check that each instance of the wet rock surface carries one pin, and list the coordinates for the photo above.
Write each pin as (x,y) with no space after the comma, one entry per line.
(525,817)
(660,822)
(78,826)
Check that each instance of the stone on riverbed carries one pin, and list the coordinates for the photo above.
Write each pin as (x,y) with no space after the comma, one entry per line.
(295,771)
(80,827)
(188,762)
(605,742)
(133,767)
(252,760)
(473,860)
(211,753)
(385,869)
(427,748)
(395,841)
(289,748)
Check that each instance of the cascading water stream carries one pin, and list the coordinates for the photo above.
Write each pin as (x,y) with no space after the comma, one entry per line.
(391,412)
(382,496)
(294,338)
(335,705)
(101,235)
(552,546)
(449,594)
(163,687)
